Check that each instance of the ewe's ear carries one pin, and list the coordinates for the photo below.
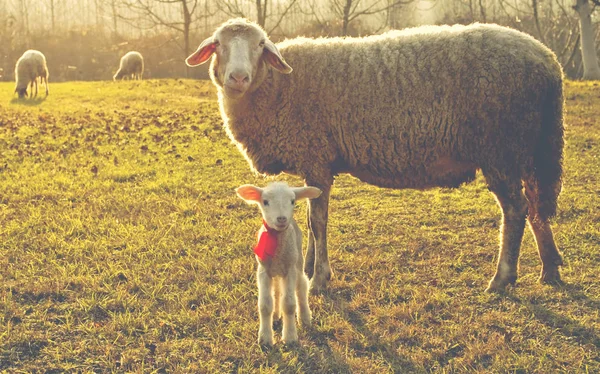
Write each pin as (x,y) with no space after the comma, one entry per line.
(250,193)
(274,58)
(307,192)
(203,53)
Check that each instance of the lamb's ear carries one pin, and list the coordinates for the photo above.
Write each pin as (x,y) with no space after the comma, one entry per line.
(250,193)
(203,53)
(274,58)
(307,192)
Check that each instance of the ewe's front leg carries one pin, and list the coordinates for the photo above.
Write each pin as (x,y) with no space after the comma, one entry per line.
(265,307)
(289,333)
(318,209)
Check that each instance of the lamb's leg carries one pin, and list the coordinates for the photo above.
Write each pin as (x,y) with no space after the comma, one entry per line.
(289,332)
(511,199)
(265,307)
(318,227)
(277,308)
(304,315)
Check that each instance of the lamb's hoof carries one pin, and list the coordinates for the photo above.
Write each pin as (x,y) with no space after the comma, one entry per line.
(265,343)
(498,285)
(316,287)
(551,275)
(277,324)
(291,342)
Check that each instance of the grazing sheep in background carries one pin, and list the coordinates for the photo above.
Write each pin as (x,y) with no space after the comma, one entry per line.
(417,108)
(131,66)
(279,257)
(30,66)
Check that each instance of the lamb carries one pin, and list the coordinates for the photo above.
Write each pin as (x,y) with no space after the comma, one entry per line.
(280,260)
(30,66)
(131,66)
(416,108)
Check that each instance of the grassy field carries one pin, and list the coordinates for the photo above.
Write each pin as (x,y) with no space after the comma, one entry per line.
(124,248)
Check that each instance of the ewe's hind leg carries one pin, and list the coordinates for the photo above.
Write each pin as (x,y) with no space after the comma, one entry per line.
(511,199)
(265,307)
(549,254)
(309,260)
(289,332)
(304,315)
(318,227)
(46,84)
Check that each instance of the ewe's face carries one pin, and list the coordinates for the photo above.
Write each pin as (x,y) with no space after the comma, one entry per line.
(238,55)
(22,93)
(240,49)
(277,207)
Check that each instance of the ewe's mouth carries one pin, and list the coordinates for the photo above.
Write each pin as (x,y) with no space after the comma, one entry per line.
(234,91)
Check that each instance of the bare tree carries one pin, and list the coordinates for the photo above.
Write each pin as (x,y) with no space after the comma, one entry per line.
(349,10)
(591,70)
(259,10)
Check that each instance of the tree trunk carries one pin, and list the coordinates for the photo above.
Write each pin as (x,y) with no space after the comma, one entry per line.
(591,70)
(346,18)
(187,21)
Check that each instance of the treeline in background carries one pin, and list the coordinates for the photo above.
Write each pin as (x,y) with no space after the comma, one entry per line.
(84,39)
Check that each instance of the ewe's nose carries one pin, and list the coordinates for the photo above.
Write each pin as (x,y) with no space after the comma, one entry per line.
(239,78)
(281,219)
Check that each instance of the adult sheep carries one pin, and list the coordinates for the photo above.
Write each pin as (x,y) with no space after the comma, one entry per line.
(30,66)
(417,108)
(131,66)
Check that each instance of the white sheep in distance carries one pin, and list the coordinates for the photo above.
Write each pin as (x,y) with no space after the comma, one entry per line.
(280,260)
(131,66)
(30,66)
(416,108)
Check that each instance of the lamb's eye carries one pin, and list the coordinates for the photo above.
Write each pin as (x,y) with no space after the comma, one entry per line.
(293,202)
(262,43)
(266,202)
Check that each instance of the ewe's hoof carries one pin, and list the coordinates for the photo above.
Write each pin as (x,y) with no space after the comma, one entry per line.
(551,275)
(499,285)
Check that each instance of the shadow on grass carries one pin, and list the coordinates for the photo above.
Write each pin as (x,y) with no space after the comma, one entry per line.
(374,346)
(29,102)
(565,325)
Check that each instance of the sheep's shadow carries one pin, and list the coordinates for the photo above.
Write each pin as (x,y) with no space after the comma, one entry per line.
(339,297)
(29,102)
(563,324)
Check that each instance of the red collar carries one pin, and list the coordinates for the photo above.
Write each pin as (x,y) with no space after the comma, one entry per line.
(267,243)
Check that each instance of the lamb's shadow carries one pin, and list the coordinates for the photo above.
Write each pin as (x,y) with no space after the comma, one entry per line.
(324,359)
(29,102)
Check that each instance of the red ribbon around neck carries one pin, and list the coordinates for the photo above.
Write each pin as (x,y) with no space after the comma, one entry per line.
(267,243)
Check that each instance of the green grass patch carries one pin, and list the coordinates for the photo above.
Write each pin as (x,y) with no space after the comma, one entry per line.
(124,248)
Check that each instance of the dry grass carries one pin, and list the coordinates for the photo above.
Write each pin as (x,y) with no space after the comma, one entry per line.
(124,248)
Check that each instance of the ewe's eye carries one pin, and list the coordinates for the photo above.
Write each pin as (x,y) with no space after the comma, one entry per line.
(266,202)
(262,43)
(293,201)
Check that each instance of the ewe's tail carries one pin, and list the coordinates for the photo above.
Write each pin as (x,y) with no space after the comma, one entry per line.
(546,182)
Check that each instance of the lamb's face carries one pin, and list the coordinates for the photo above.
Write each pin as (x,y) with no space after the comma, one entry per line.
(277,201)
(240,48)
(277,206)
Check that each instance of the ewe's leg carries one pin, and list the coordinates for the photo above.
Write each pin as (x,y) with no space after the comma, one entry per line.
(309,260)
(318,227)
(289,333)
(46,84)
(540,227)
(265,307)
(511,199)
(304,315)
(36,86)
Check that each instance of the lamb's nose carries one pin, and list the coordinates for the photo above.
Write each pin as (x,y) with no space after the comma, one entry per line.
(281,220)
(239,78)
